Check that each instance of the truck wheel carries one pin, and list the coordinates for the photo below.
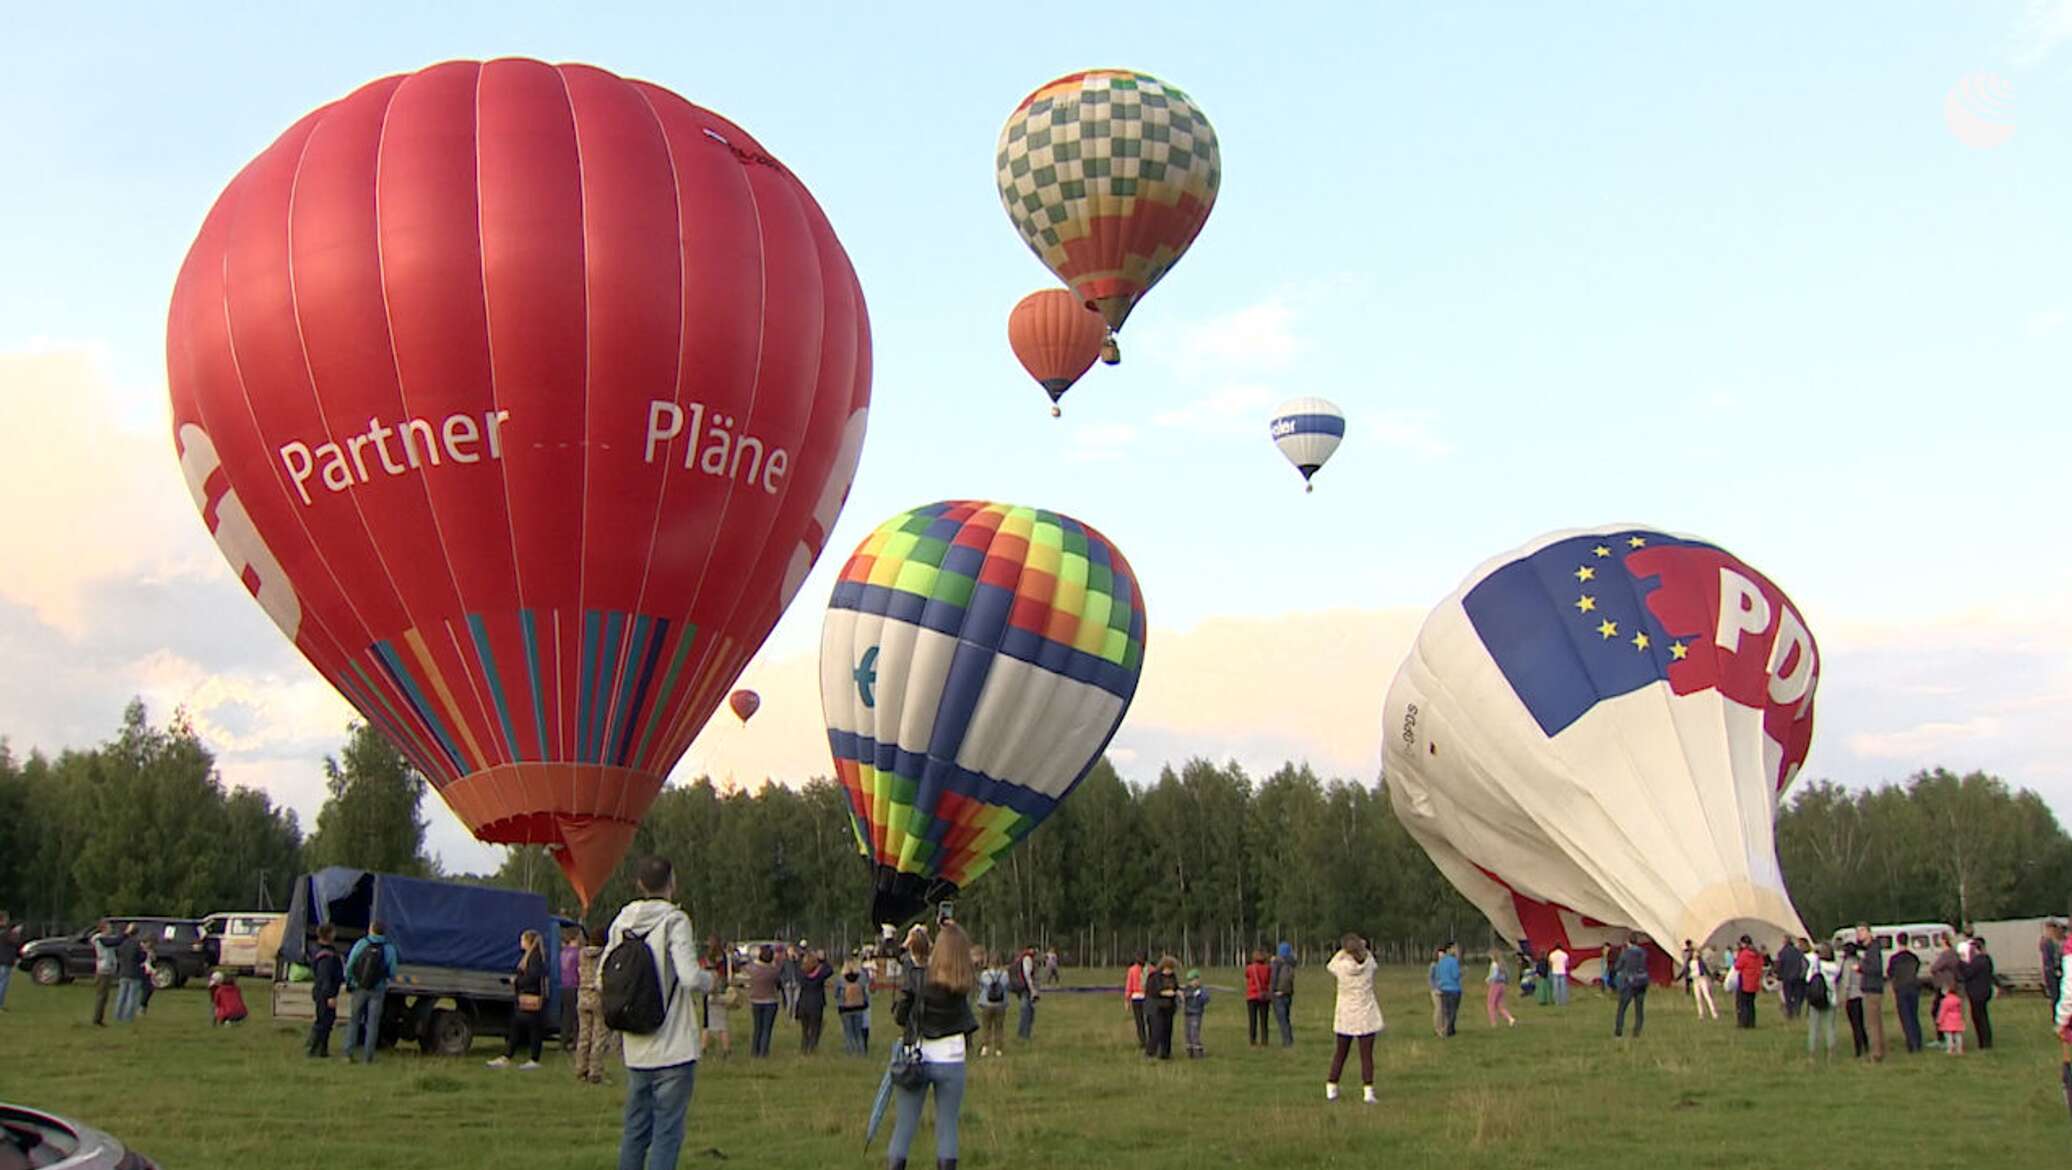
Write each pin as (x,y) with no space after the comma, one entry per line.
(449,1033)
(49,972)
(164,977)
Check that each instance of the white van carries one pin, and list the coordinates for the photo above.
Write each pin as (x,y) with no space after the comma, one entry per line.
(232,940)
(1923,938)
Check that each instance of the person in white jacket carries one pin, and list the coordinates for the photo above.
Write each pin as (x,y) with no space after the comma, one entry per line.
(660,1065)
(1357,1016)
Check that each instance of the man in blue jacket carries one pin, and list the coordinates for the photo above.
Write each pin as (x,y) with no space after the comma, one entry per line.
(1446,981)
(367,973)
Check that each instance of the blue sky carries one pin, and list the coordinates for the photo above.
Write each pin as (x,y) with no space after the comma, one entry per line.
(1727,270)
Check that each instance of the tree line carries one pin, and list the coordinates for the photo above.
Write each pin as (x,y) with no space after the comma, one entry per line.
(1207,861)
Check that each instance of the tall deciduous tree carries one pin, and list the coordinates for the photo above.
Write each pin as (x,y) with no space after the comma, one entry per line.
(371,819)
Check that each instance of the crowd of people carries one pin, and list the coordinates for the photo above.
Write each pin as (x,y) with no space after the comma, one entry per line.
(1957,985)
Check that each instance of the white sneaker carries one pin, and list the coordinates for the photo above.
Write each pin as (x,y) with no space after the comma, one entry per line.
(984,1051)
(1367,1096)
(1330,1091)
(529,1066)
(500,1062)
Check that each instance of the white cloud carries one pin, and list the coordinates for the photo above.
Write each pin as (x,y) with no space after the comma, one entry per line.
(2045,25)
(1230,409)
(1923,739)
(1405,432)
(88,497)
(1259,336)
(2048,322)
(1099,442)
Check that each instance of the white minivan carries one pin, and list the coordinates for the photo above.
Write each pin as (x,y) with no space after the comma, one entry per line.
(1923,938)
(233,940)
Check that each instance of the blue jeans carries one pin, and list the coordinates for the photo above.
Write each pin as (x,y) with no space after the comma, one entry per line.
(128,994)
(363,1026)
(948,1080)
(6,977)
(765,1015)
(1283,1006)
(1026,1028)
(657,1099)
(1560,989)
(852,1033)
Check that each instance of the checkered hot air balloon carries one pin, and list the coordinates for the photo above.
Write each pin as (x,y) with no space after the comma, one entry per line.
(975,661)
(1593,732)
(1108,175)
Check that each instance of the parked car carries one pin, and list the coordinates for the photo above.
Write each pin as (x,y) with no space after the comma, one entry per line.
(233,940)
(179,952)
(31,1137)
(1923,938)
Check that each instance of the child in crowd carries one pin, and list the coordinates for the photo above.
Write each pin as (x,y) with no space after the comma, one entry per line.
(227,1001)
(1194,1002)
(1949,1021)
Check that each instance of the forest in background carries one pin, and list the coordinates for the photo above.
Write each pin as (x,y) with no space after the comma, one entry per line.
(1208,860)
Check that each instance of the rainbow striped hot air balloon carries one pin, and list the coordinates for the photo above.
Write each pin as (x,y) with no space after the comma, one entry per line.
(975,661)
(1108,175)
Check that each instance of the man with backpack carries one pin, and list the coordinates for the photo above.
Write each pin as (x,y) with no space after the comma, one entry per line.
(1022,978)
(368,969)
(651,983)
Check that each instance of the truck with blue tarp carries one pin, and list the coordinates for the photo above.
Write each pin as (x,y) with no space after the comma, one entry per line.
(457,952)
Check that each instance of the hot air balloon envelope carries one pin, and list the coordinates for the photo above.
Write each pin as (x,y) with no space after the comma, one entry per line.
(1595,729)
(1056,338)
(1307,431)
(975,661)
(522,397)
(744,703)
(1108,175)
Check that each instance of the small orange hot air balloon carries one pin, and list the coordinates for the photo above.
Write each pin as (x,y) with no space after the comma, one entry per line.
(745,704)
(1057,337)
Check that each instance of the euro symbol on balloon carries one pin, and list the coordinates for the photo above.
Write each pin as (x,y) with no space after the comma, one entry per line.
(866,677)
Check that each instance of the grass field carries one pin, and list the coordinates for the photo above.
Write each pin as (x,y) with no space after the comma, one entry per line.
(1555,1091)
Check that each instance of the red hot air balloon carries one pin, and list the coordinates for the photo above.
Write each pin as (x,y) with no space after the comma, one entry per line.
(745,704)
(1057,339)
(522,397)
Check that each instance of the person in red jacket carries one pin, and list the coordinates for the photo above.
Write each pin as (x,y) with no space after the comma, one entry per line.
(1258,997)
(1748,965)
(227,1002)
(1133,997)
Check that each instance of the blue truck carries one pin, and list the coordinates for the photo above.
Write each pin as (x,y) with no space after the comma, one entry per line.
(457,950)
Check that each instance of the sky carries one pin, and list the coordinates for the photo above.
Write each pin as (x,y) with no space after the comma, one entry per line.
(1791,278)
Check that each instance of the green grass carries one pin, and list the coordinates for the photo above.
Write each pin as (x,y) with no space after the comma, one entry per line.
(1555,1091)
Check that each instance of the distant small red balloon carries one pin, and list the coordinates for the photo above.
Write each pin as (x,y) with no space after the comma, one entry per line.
(745,704)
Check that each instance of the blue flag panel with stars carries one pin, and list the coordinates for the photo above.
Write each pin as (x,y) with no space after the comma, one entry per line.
(1569,625)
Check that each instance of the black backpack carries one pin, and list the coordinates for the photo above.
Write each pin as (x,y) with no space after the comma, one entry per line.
(371,967)
(1816,991)
(633,998)
(1017,979)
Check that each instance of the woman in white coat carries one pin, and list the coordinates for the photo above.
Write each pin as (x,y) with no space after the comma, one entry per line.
(1357,1016)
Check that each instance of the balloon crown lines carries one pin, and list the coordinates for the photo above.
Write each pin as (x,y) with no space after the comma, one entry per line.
(716,447)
